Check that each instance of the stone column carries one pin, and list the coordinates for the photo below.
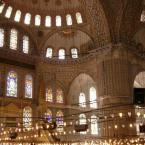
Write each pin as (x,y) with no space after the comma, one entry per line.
(114,82)
(114,85)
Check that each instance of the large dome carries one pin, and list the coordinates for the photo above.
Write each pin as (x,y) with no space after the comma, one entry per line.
(47,5)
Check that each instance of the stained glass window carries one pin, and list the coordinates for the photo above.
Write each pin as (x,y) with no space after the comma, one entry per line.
(49,95)
(12,84)
(74,52)
(94,125)
(93,101)
(25,44)
(59,95)
(69,19)
(58,21)
(61,54)
(59,121)
(82,120)
(27,117)
(48,21)
(37,20)
(27,19)
(49,52)
(79,18)
(82,100)
(1,8)
(13,39)
(8,12)
(48,115)
(28,86)
(1,37)
(17,16)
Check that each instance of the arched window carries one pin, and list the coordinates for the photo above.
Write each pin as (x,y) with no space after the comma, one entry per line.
(17,16)
(27,19)
(49,94)
(93,98)
(49,52)
(28,86)
(79,18)
(61,53)
(139,81)
(37,20)
(27,117)
(25,44)
(1,8)
(8,12)
(59,95)
(68,19)
(94,125)
(74,53)
(48,21)
(58,21)
(12,84)
(2,37)
(82,100)
(13,39)
(59,121)
(82,120)
(48,115)
(142,18)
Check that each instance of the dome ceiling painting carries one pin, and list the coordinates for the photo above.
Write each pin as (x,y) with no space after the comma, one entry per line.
(46,5)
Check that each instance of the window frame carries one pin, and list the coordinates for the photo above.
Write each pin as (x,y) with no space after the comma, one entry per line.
(27,41)
(15,38)
(31,76)
(48,87)
(2,38)
(37,20)
(93,105)
(49,47)
(27,19)
(59,88)
(82,104)
(30,118)
(69,20)
(79,18)
(8,12)
(48,21)
(58,18)
(17,16)
(7,94)
(72,54)
(61,48)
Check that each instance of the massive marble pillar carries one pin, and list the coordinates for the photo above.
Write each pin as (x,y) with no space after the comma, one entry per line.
(114,82)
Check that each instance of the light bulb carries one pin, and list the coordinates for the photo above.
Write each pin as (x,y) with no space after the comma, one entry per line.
(120,115)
